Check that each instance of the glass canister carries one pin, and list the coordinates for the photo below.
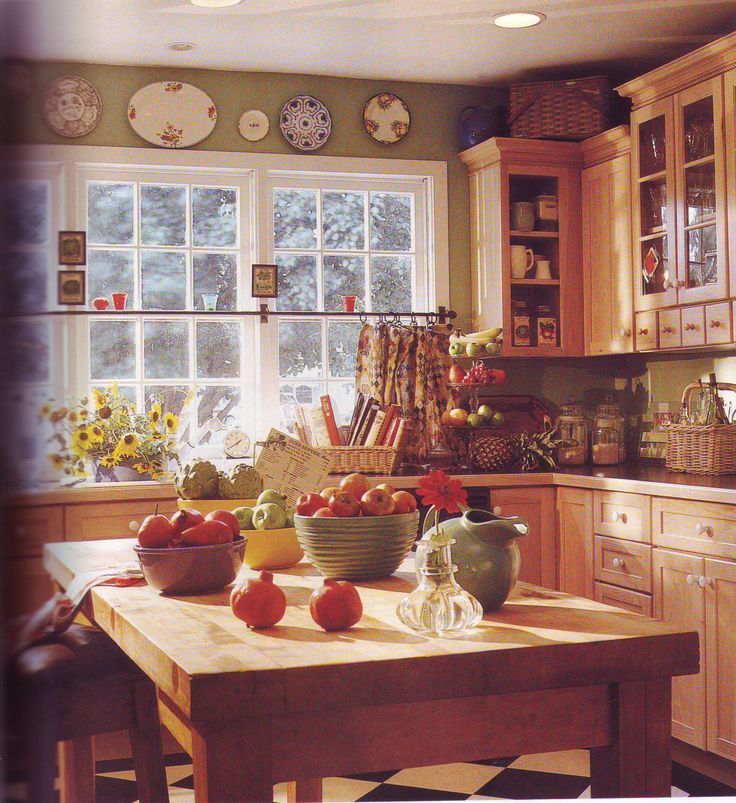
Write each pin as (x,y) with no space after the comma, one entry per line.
(605,445)
(573,434)
(608,416)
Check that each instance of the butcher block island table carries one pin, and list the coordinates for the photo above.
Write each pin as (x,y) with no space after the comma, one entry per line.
(547,672)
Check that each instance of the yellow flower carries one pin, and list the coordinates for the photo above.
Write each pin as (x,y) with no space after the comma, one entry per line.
(73,417)
(128,445)
(58,415)
(110,460)
(80,472)
(83,413)
(100,400)
(155,415)
(171,422)
(57,461)
(81,442)
(45,411)
(143,468)
(96,435)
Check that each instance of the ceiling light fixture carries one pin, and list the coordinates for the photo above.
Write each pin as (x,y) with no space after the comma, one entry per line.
(215,3)
(518,19)
(181,47)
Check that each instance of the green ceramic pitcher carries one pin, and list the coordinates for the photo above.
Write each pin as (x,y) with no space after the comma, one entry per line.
(485,552)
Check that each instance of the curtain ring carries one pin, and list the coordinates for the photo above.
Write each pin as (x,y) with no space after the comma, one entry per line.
(363,318)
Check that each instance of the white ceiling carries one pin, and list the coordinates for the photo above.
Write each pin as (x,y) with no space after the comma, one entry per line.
(451,41)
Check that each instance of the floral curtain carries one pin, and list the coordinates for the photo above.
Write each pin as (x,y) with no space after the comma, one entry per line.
(407,366)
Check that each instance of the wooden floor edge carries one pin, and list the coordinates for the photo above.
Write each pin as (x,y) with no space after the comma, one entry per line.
(716,767)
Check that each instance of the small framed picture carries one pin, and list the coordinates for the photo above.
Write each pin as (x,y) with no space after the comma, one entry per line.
(72,288)
(72,248)
(265,281)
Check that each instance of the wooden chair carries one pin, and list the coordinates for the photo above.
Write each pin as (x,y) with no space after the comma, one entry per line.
(70,689)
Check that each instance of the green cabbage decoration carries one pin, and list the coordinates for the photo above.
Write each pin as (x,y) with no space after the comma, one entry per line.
(197,480)
(244,482)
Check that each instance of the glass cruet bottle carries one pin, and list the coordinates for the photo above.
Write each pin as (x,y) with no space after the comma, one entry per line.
(438,604)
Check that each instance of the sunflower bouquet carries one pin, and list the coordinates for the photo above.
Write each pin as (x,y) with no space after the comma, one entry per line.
(106,430)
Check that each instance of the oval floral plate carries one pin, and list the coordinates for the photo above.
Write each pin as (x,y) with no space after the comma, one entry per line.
(305,123)
(386,118)
(71,106)
(172,114)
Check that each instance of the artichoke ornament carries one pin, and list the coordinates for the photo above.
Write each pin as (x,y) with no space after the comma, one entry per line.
(243,482)
(197,480)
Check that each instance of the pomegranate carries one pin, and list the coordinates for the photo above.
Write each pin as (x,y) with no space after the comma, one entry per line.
(335,605)
(258,602)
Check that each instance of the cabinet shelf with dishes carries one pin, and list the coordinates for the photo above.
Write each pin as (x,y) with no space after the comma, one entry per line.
(525,214)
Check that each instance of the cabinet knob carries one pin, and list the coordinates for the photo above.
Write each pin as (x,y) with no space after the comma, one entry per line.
(704,581)
(714,324)
(667,284)
(134,526)
(624,332)
(681,283)
(616,516)
(643,331)
(667,330)
(690,327)
(497,510)
(618,563)
(691,579)
(701,529)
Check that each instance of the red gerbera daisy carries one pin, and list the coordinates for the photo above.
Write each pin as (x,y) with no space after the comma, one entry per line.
(443,492)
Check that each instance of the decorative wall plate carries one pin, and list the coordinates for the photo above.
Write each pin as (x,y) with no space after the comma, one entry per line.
(386,118)
(651,263)
(253,125)
(71,106)
(305,123)
(172,114)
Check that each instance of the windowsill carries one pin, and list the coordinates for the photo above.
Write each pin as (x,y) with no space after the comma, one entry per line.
(93,492)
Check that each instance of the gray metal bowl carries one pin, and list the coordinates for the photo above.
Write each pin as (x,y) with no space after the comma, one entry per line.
(357,548)
(192,569)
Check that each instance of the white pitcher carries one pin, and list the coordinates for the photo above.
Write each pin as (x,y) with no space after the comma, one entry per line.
(522,261)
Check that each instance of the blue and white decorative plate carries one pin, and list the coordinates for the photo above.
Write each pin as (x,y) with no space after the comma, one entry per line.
(305,123)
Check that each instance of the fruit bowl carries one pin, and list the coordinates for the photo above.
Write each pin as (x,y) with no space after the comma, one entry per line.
(205,506)
(272,549)
(192,569)
(360,547)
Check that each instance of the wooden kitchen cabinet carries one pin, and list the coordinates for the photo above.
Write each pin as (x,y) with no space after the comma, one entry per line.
(606,202)
(623,563)
(706,528)
(633,601)
(622,515)
(537,506)
(502,172)
(729,115)
(575,556)
(109,520)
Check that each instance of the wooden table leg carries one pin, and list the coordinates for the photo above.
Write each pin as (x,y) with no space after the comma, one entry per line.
(232,764)
(77,770)
(304,791)
(638,763)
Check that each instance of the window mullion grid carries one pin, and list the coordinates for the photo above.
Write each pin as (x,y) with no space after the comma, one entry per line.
(368,244)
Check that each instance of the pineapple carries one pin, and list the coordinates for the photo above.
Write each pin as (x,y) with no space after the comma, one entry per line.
(520,451)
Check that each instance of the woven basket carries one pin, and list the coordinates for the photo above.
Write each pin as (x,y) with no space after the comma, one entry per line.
(572,110)
(707,449)
(362,459)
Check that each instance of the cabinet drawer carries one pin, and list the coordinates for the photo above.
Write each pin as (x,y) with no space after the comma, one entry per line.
(29,528)
(703,527)
(622,515)
(718,323)
(693,326)
(646,331)
(623,563)
(111,520)
(670,336)
(625,598)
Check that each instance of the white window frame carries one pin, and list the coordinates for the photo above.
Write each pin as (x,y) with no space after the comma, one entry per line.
(257,237)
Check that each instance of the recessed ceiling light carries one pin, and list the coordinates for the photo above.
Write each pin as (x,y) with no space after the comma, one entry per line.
(215,3)
(180,47)
(518,19)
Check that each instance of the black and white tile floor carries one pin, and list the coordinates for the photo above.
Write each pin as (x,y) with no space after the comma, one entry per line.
(561,775)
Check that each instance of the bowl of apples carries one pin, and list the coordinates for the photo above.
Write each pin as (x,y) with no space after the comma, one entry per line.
(190,553)
(269,524)
(355,531)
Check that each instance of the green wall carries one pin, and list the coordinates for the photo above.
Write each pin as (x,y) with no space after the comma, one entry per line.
(433,134)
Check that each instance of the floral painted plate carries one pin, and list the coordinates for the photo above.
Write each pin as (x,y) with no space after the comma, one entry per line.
(305,123)
(71,106)
(172,114)
(386,118)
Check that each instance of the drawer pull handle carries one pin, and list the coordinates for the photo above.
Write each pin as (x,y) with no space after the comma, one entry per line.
(616,516)
(497,510)
(134,526)
(704,581)
(668,330)
(690,327)
(704,529)
(714,324)
(643,331)
(624,332)
(618,563)
(691,579)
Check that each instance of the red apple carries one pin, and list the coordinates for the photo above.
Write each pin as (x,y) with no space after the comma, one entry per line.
(344,504)
(384,486)
(377,503)
(226,517)
(156,532)
(404,502)
(355,484)
(326,493)
(206,533)
(309,504)
(324,513)
(184,519)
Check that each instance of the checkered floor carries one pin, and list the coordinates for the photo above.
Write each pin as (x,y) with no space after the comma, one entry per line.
(543,776)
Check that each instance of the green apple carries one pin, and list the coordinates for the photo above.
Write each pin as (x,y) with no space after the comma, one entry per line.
(269,516)
(457,349)
(289,518)
(493,348)
(245,516)
(474,349)
(485,410)
(498,418)
(475,420)
(272,497)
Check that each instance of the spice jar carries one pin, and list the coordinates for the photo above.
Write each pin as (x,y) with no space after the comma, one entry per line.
(608,416)
(546,327)
(573,433)
(522,329)
(605,446)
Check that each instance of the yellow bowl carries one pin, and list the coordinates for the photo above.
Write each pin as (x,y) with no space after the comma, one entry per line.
(272,549)
(205,506)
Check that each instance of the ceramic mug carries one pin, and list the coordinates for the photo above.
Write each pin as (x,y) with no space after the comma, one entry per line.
(543,269)
(522,216)
(119,300)
(522,261)
(348,303)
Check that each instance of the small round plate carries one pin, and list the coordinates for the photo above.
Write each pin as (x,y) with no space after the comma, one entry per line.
(305,123)
(71,106)
(386,118)
(253,125)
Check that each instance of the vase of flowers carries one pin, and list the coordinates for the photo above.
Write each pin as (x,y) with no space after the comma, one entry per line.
(104,436)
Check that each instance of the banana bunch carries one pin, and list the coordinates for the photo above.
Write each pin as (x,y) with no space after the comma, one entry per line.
(475,344)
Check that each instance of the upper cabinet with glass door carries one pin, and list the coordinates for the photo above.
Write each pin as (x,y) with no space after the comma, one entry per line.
(729,115)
